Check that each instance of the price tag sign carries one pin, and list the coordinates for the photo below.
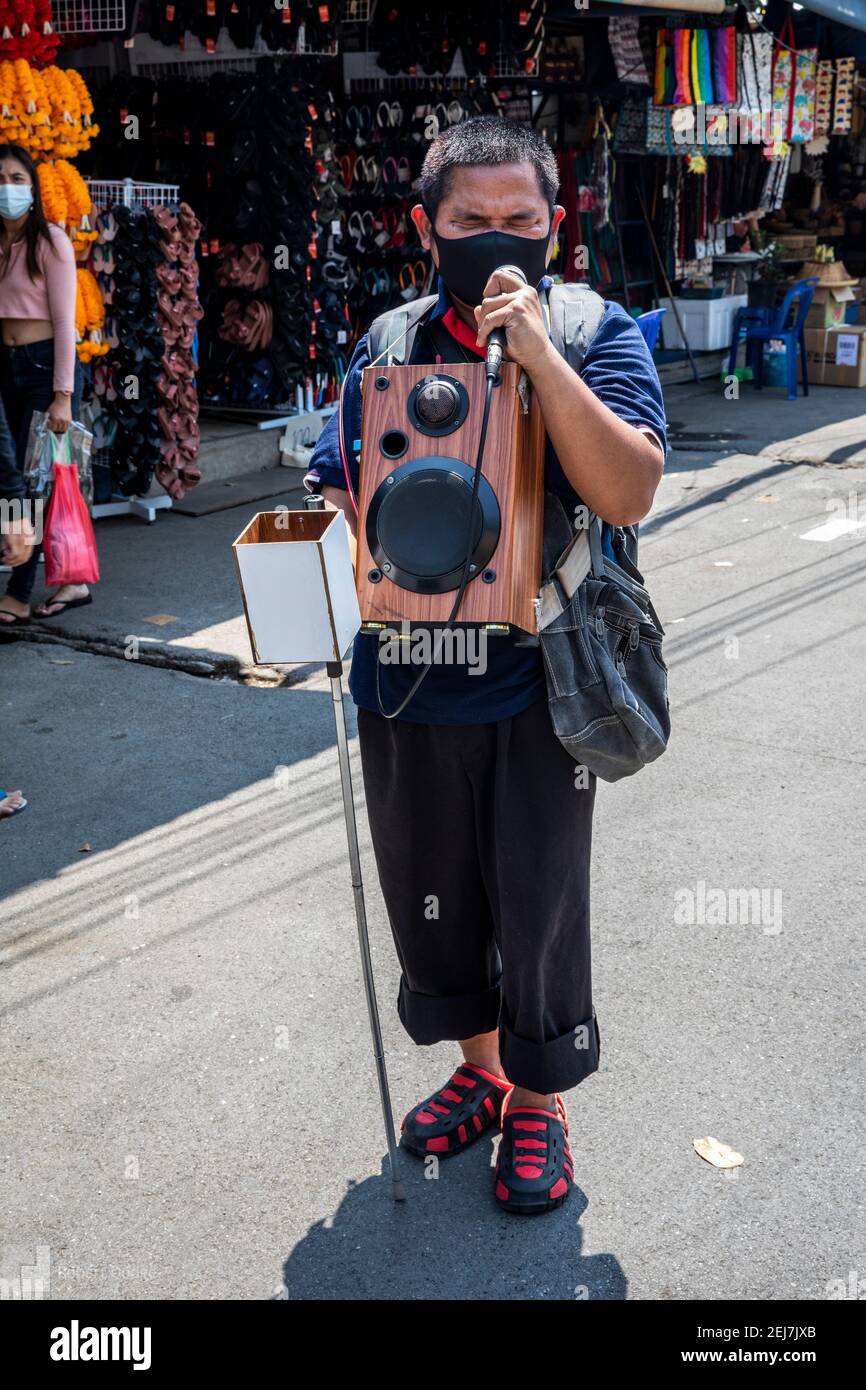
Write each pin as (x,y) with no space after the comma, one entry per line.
(847,349)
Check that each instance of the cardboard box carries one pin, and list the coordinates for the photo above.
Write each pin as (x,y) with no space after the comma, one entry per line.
(836,356)
(828,305)
(298,586)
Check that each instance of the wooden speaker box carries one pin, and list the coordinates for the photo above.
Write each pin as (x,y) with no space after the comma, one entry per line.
(419,443)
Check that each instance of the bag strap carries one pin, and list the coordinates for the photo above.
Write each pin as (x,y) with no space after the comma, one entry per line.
(786,35)
(391,336)
(575,313)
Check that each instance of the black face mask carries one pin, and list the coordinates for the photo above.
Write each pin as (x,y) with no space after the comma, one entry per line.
(466,263)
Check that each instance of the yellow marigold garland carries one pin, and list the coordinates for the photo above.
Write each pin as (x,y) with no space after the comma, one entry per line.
(48,112)
(66,203)
(89,317)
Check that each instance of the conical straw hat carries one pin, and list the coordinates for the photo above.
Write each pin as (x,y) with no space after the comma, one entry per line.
(833,274)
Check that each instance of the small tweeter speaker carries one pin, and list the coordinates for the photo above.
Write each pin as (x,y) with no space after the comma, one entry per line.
(419,443)
(438,404)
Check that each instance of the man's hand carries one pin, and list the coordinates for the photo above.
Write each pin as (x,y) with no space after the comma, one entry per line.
(510,304)
(16,543)
(336,500)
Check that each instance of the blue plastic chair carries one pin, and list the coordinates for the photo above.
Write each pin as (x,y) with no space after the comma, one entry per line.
(650,326)
(786,324)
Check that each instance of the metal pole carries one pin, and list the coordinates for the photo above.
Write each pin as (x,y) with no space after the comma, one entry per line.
(335,671)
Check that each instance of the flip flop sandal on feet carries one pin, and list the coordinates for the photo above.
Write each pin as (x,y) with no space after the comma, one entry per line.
(6,814)
(534,1171)
(64,605)
(17,620)
(453,1118)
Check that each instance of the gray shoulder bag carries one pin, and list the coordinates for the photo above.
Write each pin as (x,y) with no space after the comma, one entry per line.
(600,636)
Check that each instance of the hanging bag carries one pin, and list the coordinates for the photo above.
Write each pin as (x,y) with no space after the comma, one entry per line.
(804,94)
(682,67)
(68,540)
(662,67)
(754,77)
(601,641)
(783,82)
(724,58)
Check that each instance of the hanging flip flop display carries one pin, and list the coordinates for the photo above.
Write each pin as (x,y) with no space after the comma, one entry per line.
(823,98)
(843,104)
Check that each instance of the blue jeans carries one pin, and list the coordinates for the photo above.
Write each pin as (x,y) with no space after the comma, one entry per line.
(27,384)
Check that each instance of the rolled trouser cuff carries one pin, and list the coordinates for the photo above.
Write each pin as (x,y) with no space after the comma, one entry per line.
(551,1066)
(430,1018)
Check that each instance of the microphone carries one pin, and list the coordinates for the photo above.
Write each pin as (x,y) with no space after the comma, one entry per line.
(496,342)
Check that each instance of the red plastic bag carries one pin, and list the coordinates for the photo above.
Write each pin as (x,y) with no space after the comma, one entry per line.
(68,539)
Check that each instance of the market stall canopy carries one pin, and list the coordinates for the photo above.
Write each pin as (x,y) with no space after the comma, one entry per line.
(850,12)
(690,6)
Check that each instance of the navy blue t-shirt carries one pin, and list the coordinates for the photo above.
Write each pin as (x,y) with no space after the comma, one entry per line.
(619,369)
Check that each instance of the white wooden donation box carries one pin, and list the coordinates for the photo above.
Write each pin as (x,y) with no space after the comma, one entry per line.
(298,586)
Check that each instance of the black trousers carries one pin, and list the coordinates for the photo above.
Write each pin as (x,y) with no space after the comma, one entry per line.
(482,841)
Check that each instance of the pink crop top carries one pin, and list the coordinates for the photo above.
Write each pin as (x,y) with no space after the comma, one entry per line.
(51,296)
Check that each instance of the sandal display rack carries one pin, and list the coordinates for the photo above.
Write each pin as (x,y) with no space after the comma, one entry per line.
(149,58)
(358,11)
(88,16)
(364,67)
(107,193)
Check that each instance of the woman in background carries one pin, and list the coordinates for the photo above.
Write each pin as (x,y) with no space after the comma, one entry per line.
(38,368)
(16,542)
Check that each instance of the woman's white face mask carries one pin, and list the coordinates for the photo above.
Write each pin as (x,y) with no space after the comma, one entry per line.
(15,199)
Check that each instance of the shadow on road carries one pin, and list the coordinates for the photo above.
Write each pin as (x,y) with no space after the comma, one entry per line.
(448,1240)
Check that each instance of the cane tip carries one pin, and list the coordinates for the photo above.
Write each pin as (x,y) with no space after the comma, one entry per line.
(398,1191)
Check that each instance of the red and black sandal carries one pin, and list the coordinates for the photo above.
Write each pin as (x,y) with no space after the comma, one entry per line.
(534,1171)
(453,1118)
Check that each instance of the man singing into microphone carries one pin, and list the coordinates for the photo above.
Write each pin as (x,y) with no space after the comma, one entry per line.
(481,835)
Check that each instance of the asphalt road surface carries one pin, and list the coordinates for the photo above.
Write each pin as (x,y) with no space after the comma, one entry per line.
(190,1104)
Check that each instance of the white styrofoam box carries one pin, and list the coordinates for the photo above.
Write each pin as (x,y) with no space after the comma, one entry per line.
(300,435)
(708,323)
(298,586)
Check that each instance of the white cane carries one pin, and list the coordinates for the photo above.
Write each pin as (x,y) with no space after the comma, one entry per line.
(298,587)
(335,672)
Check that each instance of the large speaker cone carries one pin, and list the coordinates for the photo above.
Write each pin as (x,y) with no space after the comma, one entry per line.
(418,523)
